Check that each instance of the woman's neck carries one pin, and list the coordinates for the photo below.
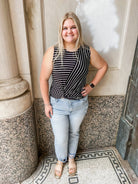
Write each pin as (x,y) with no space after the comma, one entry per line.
(70,47)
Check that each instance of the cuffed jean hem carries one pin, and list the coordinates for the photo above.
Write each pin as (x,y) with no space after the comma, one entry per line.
(63,160)
(72,155)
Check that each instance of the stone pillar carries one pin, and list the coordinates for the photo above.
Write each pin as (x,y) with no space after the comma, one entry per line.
(33,16)
(11,85)
(18,149)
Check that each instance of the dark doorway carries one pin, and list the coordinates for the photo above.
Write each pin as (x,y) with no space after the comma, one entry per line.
(127,139)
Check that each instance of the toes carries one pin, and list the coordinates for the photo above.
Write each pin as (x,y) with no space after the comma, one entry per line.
(72,171)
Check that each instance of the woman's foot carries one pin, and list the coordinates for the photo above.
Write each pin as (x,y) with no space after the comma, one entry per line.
(58,169)
(72,167)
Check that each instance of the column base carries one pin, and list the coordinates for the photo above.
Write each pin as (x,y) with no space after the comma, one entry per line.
(12,107)
(12,88)
(18,148)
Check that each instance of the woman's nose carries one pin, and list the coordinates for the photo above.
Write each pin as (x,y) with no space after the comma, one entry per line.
(69,30)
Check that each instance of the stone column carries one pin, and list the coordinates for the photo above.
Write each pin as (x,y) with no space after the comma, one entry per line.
(35,39)
(18,149)
(11,85)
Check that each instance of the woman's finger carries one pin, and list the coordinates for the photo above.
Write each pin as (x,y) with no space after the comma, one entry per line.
(48,115)
(48,112)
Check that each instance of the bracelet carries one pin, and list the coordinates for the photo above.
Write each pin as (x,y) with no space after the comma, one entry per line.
(47,104)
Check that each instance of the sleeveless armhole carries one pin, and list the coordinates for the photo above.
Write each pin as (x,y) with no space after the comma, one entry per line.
(87,51)
(55,53)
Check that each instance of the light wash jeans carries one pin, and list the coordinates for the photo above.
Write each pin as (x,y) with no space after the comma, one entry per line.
(66,120)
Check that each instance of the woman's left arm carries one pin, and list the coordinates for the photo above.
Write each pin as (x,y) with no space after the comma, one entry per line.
(98,62)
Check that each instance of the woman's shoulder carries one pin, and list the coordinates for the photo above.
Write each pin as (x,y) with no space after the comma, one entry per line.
(86,47)
(49,52)
(53,49)
(91,49)
(50,49)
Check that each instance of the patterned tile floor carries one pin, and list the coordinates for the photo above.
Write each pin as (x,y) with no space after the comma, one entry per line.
(103,166)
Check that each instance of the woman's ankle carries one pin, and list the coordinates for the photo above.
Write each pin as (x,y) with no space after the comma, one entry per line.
(59,162)
(71,159)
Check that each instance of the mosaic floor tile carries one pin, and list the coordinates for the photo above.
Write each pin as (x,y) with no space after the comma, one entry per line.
(93,167)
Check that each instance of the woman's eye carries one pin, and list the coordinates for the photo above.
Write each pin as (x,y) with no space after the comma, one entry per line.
(73,27)
(64,28)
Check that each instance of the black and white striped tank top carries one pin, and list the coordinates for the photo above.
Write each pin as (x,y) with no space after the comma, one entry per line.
(69,74)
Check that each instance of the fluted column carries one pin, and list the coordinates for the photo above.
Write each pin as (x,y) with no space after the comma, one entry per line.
(11,84)
(33,15)
(18,147)
(8,64)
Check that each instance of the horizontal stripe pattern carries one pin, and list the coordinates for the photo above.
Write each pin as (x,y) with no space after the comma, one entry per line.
(69,75)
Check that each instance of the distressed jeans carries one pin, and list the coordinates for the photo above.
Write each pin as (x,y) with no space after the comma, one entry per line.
(66,120)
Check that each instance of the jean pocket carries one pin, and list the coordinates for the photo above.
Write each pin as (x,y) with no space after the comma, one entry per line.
(53,100)
(85,99)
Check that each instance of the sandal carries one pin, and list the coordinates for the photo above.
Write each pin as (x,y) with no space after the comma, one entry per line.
(58,169)
(72,167)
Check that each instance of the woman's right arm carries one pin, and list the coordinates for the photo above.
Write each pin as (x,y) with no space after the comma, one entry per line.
(46,70)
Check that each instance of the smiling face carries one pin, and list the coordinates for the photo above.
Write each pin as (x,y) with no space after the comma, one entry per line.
(69,32)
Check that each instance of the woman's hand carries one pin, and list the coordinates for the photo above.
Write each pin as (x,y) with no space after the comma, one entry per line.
(48,111)
(86,90)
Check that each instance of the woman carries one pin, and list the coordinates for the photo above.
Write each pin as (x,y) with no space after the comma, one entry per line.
(67,103)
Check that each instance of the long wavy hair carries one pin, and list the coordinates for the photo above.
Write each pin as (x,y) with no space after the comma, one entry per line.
(79,42)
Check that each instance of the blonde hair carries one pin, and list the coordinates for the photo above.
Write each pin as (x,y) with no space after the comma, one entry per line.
(79,42)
